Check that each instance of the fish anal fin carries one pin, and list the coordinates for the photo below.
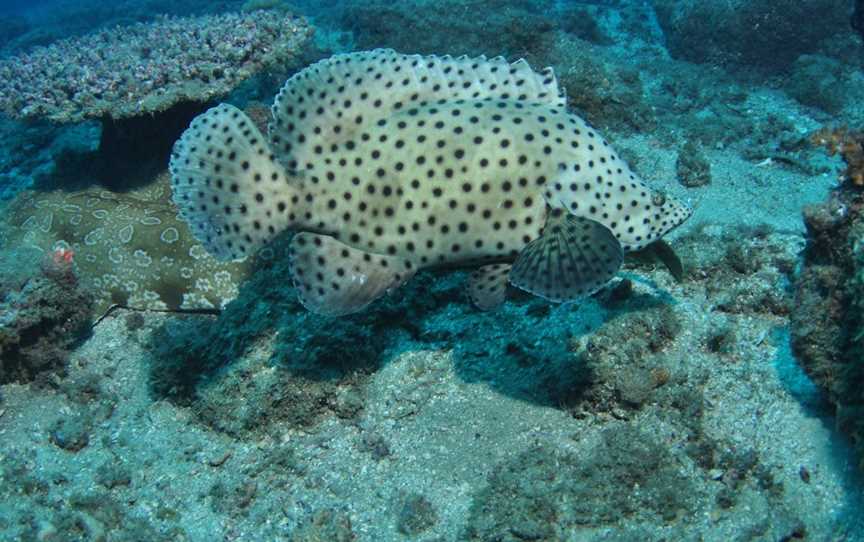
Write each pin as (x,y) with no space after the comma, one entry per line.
(334,279)
(573,258)
(487,286)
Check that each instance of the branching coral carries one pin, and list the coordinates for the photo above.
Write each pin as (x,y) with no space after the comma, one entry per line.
(849,145)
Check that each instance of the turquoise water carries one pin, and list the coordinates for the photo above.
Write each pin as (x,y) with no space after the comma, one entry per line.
(367,270)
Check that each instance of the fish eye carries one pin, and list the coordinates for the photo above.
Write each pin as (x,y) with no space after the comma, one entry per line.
(658,199)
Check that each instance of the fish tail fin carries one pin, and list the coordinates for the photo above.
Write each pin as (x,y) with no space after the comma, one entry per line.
(228,185)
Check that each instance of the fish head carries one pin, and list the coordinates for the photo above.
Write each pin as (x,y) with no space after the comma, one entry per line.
(646,215)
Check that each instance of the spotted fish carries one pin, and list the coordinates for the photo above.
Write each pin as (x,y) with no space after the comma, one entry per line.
(387,163)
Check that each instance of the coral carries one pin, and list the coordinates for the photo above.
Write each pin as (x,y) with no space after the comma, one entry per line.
(132,70)
(44,312)
(66,19)
(849,145)
(130,248)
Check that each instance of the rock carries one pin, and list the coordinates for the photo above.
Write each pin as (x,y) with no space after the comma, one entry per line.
(692,168)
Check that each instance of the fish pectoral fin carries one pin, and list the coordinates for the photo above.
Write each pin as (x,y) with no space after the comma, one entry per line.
(487,286)
(334,279)
(573,257)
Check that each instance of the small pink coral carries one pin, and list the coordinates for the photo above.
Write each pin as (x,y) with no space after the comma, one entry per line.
(58,264)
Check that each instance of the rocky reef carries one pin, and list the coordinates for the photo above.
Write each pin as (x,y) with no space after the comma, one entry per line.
(828,323)
(668,406)
(44,313)
(766,35)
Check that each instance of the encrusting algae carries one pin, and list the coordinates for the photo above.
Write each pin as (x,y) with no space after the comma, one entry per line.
(388,163)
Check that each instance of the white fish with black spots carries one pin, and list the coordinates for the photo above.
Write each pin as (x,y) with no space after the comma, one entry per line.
(388,163)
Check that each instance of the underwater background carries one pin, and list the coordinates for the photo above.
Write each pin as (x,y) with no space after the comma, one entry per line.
(713,390)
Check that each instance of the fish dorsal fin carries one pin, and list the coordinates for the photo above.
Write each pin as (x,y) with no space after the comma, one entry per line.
(332,102)
(573,257)
(334,279)
(487,286)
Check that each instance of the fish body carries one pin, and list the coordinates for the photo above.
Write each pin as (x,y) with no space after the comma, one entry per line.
(390,163)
